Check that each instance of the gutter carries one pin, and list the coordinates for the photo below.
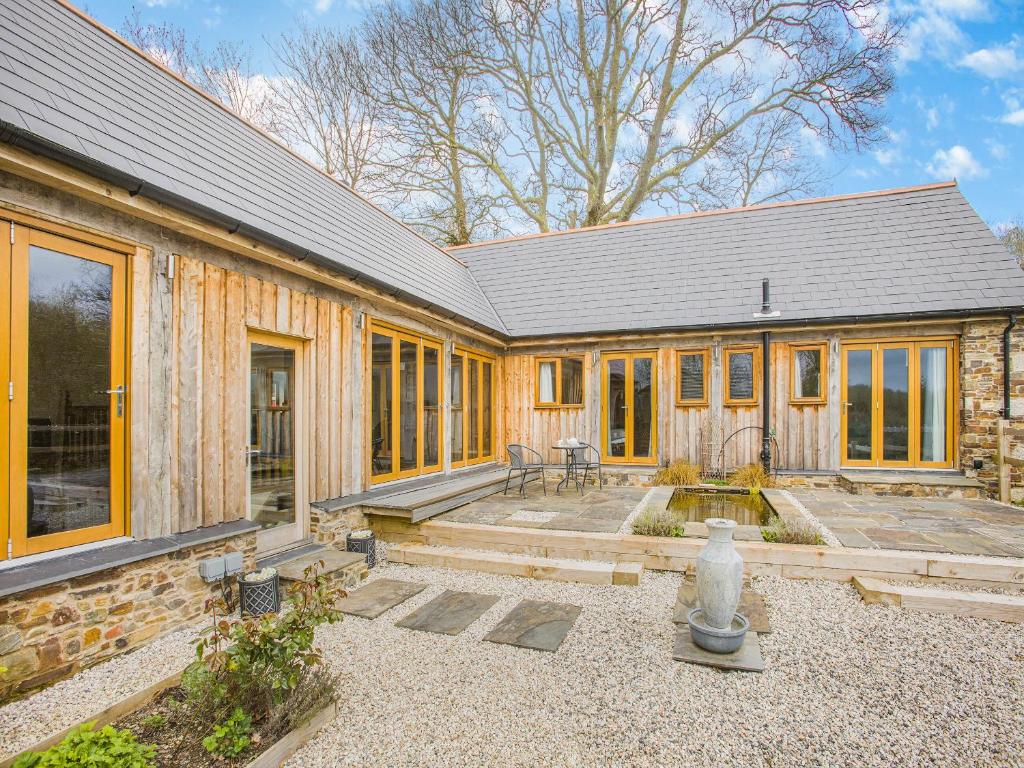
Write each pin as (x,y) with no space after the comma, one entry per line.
(17,137)
(1007,359)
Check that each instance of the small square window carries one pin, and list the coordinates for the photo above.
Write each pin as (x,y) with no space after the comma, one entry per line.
(808,375)
(559,382)
(693,378)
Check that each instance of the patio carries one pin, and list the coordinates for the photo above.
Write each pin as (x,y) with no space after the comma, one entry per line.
(962,526)
(595,511)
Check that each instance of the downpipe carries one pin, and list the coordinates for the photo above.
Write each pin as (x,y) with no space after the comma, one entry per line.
(1006,365)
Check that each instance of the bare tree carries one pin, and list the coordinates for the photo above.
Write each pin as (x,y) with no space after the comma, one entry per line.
(323,108)
(224,72)
(1012,236)
(430,91)
(613,106)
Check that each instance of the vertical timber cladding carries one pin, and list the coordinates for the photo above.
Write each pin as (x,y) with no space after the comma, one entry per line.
(212,308)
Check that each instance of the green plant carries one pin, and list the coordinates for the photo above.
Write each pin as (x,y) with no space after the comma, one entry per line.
(232,737)
(87,748)
(678,473)
(782,531)
(662,522)
(154,721)
(752,476)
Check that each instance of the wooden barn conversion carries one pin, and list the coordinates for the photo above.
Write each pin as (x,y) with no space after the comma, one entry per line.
(211,346)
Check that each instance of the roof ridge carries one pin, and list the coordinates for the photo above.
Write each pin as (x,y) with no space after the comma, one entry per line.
(715,212)
(216,102)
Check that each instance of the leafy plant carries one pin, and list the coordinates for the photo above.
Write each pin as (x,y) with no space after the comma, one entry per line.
(87,748)
(154,721)
(232,737)
(663,522)
(752,476)
(678,473)
(782,531)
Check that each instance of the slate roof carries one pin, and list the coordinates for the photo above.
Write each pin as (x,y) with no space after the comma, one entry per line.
(918,250)
(72,85)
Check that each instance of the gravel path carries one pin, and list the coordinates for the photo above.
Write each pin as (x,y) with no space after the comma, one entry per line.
(846,684)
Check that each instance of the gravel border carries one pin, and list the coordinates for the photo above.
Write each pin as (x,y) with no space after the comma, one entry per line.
(627,524)
(830,538)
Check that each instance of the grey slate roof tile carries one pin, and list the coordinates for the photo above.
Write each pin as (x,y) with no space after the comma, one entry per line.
(65,81)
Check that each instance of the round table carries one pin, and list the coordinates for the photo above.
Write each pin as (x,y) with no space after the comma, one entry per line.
(571,470)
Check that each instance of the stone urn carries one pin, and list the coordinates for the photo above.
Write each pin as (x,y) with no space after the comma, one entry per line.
(719,575)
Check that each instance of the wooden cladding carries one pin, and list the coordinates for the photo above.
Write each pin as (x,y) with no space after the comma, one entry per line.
(213,308)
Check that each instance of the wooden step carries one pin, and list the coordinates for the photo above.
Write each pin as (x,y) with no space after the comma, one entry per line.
(980,605)
(506,564)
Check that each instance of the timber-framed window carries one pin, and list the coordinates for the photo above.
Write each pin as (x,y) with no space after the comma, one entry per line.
(742,371)
(559,382)
(808,373)
(406,392)
(693,368)
(472,386)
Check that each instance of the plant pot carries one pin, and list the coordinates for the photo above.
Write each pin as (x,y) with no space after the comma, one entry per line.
(717,640)
(364,544)
(256,598)
(719,574)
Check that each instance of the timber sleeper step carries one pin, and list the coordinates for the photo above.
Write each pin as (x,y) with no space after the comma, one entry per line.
(507,564)
(982,605)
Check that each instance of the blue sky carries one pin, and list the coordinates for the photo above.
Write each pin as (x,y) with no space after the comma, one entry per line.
(958,109)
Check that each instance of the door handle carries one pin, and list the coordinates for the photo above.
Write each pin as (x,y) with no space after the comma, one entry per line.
(119,390)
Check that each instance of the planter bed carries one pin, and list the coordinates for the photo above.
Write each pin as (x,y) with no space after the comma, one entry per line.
(130,712)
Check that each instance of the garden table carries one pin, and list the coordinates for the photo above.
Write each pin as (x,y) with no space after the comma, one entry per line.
(570,465)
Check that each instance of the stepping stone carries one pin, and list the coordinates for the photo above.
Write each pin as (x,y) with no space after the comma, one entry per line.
(450,613)
(751,605)
(371,601)
(535,624)
(344,568)
(747,659)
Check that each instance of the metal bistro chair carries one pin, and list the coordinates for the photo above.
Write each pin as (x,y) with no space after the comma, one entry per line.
(587,458)
(521,459)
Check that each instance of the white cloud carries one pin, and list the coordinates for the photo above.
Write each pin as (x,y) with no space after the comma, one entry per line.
(997,150)
(812,140)
(322,6)
(963,9)
(887,157)
(957,162)
(1016,117)
(996,62)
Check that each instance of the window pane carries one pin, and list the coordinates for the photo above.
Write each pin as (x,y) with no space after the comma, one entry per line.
(691,377)
(859,378)
(546,382)
(473,409)
(69,411)
(643,406)
(382,406)
(933,404)
(741,376)
(808,373)
(616,405)
(895,411)
(572,381)
(457,413)
(487,449)
(431,406)
(272,461)
(407,397)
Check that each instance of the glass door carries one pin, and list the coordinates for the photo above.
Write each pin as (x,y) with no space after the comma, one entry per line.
(275,438)
(472,385)
(68,397)
(629,396)
(897,408)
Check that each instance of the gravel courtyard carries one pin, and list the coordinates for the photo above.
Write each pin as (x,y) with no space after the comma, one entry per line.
(845,684)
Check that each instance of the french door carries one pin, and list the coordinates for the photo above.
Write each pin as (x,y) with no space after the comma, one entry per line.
(629,407)
(62,350)
(472,393)
(897,406)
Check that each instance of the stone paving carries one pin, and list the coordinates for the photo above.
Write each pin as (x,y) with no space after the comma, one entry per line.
(594,511)
(962,526)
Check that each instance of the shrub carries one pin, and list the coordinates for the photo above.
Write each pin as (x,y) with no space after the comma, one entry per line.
(86,748)
(780,531)
(678,473)
(751,476)
(232,737)
(658,523)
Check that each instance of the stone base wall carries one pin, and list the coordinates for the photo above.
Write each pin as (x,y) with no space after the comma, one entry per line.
(981,393)
(332,528)
(50,633)
(821,482)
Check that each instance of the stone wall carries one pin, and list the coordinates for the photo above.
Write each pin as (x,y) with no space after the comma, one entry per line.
(332,528)
(52,632)
(981,392)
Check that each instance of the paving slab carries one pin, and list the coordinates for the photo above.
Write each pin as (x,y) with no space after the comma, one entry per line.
(334,560)
(449,613)
(747,659)
(379,596)
(751,605)
(535,624)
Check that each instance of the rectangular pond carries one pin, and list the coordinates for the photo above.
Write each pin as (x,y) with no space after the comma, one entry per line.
(745,508)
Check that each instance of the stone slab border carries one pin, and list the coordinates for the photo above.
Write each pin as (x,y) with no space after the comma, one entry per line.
(680,554)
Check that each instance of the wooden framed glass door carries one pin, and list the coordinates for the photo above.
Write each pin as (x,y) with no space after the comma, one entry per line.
(63,319)
(897,405)
(629,407)
(275,465)
(472,388)
(406,392)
